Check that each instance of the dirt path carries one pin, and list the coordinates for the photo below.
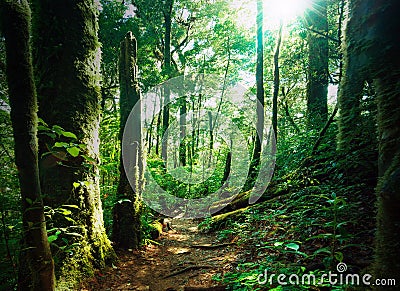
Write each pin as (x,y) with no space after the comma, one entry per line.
(172,265)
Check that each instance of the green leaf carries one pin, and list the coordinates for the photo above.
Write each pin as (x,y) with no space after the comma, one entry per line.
(72,206)
(52,238)
(58,129)
(293,246)
(69,134)
(42,128)
(70,219)
(41,121)
(89,159)
(278,244)
(339,256)
(30,202)
(61,145)
(73,151)
(65,211)
(76,185)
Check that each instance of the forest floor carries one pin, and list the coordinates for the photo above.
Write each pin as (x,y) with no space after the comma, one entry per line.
(183,259)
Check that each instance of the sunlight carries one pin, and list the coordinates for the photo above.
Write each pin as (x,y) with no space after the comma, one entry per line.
(274,12)
(285,10)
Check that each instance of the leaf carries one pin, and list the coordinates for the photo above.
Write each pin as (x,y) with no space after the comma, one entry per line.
(57,129)
(339,256)
(42,128)
(69,134)
(278,244)
(293,246)
(89,159)
(50,134)
(73,151)
(61,145)
(52,238)
(76,185)
(65,211)
(70,219)
(41,121)
(29,201)
(72,206)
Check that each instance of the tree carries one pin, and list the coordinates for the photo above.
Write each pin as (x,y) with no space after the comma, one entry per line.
(317,73)
(371,46)
(276,83)
(127,228)
(255,162)
(36,262)
(67,58)
(385,69)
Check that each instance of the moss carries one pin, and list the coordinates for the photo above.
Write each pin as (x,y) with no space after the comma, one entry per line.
(67,57)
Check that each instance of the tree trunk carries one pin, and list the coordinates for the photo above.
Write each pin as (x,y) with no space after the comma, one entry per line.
(167,71)
(36,263)
(317,74)
(182,124)
(385,69)
(127,228)
(255,161)
(276,83)
(67,57)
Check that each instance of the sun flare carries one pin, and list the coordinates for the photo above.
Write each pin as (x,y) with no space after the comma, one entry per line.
(275,11)
(286,10)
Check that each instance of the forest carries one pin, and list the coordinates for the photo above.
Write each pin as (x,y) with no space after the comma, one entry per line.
(173,145)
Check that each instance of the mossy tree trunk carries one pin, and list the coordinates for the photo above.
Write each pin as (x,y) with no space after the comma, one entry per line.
(357,126)
(276,82)
(36,263)
(383,50)
(67,58)
(371,51)
(182,126)
(317,74)
(255,161)
(167,71)
(127,228)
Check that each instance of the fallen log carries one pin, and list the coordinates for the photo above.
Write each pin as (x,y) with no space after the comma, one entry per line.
(275,189)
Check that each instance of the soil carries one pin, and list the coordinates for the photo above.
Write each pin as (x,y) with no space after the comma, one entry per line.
(178,260)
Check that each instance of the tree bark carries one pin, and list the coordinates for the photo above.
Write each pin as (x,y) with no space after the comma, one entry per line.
(67,57)
(276,83)
(167,71)
(36,262)
(127,228)
(182,124)
(318,72)
(255,161)
(385,70)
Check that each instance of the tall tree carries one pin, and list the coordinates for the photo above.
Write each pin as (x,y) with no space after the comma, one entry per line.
(371,45)
(317,73)
(167,70)
(127,228)
(67,57)
(255,162)
(276,82)
(386,73)
(36,262)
